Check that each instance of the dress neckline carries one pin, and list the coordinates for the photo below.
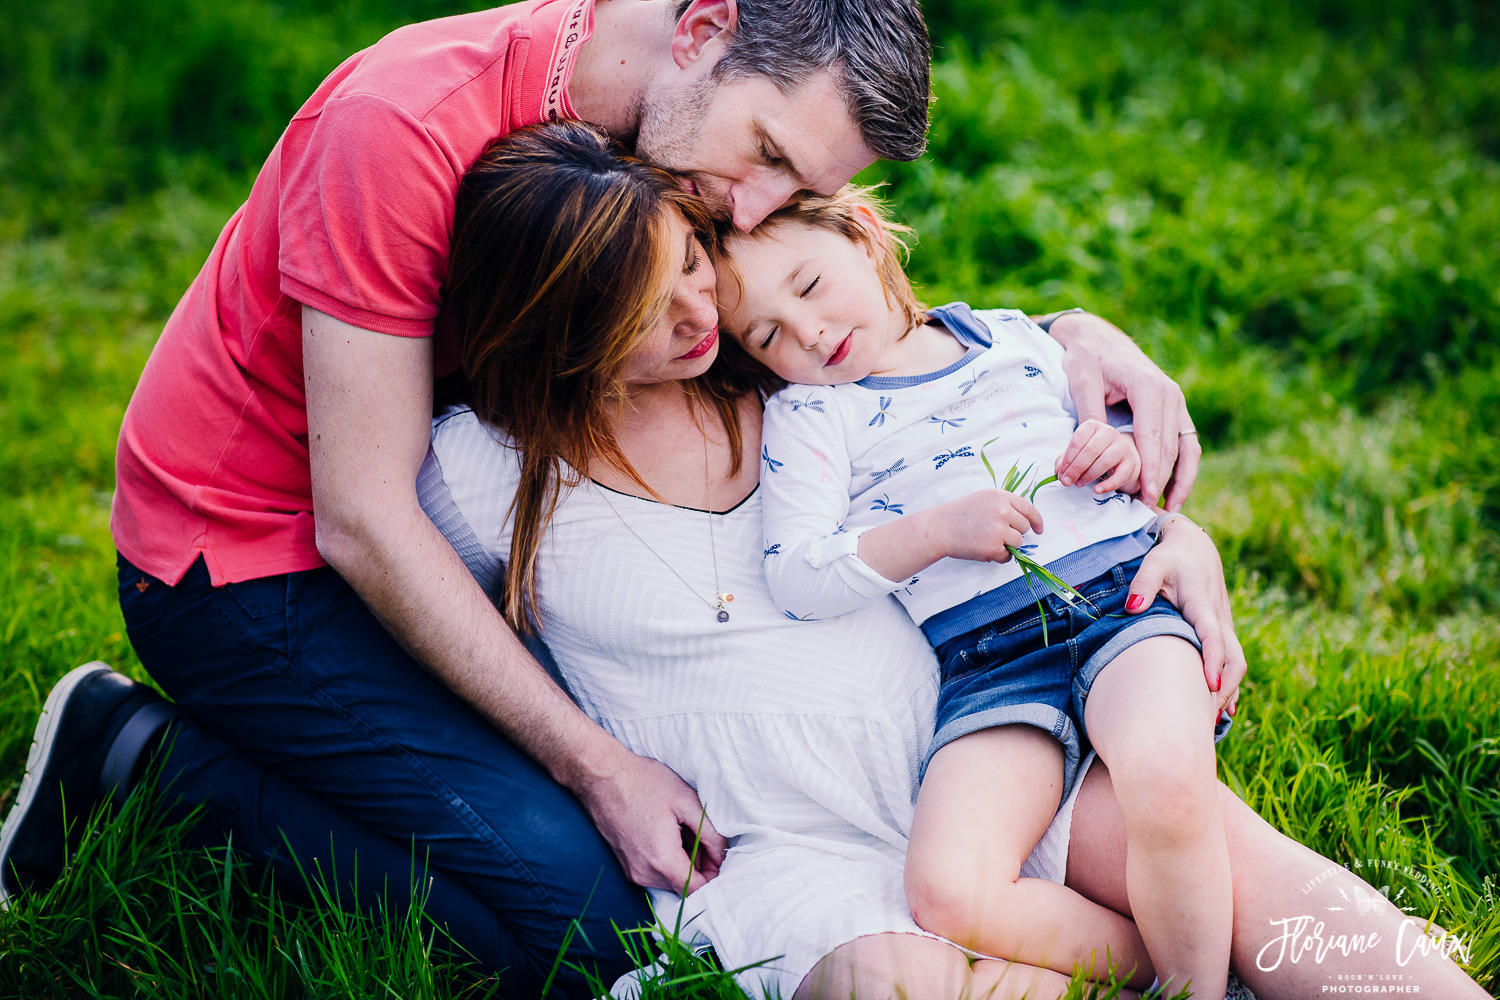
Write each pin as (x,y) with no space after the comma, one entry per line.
(677,506)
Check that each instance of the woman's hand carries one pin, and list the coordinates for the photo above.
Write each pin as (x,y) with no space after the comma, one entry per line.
(1184,568)
(1105,366)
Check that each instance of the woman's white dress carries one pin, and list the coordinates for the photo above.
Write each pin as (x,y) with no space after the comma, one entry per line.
(802,739)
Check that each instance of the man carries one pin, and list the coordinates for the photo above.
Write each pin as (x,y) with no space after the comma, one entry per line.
(342,686)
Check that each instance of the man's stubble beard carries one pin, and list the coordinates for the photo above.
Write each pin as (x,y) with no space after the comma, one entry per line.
(670,134)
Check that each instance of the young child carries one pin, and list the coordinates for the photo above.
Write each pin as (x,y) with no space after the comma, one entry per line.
(881,468)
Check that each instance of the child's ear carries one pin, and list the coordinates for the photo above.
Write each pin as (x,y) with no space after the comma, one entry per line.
(867,220)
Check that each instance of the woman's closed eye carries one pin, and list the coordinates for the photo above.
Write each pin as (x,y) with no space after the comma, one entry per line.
(695,261)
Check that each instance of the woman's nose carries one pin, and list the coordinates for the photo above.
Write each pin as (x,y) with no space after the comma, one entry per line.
(697,306)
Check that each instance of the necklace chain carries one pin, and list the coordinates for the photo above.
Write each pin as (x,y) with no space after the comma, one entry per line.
(723,598)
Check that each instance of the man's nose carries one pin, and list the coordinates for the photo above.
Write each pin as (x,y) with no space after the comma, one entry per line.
(753,202)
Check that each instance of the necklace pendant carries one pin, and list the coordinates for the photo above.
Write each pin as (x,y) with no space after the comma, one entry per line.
(723,615)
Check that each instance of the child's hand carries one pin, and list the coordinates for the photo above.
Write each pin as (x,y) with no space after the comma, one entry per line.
(1099,452)
(982,525)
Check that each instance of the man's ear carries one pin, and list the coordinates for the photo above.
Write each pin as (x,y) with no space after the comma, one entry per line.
(865,216)
(698,27)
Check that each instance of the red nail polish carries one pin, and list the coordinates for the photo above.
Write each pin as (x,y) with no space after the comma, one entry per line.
(1136,600)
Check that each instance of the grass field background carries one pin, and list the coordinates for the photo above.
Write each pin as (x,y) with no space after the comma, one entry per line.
(1295,207)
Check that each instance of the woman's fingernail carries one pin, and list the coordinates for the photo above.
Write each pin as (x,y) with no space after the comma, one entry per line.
(1151,489)
(1067,480)
(1135,602)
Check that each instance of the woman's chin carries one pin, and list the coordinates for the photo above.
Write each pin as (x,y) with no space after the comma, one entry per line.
(684,368)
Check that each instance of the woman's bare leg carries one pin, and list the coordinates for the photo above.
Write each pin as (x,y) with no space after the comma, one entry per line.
(1270,872)
(912,967)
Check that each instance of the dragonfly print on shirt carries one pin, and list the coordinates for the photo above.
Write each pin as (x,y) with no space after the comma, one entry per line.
(968,384)
(878,420)
(948,456)
(884,474)
(771,464)
(808,403)
(884,503)
(946,422)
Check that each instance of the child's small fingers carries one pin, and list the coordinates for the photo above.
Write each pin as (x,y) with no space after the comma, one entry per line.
(1030,516)
(1078,471)
(1117,477)
(1064,467)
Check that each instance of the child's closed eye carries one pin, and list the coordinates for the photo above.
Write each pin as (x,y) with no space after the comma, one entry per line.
(813,284)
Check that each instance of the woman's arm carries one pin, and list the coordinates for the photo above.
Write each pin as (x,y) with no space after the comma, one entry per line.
(369,405)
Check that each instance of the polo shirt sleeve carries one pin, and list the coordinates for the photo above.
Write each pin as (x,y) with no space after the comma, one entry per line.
(365,216)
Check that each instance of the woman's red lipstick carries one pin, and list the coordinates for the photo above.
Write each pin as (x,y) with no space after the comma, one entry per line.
(703,346)
(839,353)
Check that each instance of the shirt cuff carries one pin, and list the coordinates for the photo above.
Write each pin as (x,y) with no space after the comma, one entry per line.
(842,549)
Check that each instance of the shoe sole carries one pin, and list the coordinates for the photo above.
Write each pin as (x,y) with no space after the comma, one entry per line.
(36,760)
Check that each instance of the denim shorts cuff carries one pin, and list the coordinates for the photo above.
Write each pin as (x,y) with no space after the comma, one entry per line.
(1043,717)
(1146,627)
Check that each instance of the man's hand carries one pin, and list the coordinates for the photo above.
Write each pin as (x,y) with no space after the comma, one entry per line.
(369,406)
(1099,452)
(1184,568)
(1105,366)
(651,818)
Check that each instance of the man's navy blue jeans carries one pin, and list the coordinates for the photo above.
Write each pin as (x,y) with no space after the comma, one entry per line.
(308,727)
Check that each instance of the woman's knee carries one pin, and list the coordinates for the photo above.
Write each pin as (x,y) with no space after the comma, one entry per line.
(998,980)
(889,967)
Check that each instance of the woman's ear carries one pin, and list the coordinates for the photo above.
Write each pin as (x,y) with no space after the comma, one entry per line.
(866,219)
(700,24)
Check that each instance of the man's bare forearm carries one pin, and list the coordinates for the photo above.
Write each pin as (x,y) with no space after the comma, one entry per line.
(408,574)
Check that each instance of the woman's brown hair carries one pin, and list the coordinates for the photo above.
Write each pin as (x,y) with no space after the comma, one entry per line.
(560,267)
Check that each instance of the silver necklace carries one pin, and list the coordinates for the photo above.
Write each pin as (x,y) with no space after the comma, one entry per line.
(717,606)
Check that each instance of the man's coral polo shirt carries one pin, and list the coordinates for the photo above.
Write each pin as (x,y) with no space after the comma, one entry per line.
(352,215)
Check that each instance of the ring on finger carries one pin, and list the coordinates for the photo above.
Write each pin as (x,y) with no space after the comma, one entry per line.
(1185,433)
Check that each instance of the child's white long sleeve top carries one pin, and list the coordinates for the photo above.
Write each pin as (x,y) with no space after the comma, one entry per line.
(840,460)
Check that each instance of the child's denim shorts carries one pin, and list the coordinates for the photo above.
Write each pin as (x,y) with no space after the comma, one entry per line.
(1003,673)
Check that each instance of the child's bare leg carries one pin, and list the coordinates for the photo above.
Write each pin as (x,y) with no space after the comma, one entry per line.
(1149,717)
(985,801)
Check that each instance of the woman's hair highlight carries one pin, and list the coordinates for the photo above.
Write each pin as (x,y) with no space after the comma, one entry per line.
(561,265)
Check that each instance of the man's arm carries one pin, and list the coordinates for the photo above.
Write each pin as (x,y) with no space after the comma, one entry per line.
(1105,366)
(369,405)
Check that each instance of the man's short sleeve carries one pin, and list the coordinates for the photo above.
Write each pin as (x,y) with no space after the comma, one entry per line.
(366,211)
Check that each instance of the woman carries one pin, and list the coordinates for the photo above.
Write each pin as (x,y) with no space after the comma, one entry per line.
(604,487)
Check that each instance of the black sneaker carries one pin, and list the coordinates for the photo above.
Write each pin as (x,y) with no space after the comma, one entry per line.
(83,715)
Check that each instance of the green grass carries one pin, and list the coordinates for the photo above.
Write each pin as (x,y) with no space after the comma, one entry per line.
(1296,208)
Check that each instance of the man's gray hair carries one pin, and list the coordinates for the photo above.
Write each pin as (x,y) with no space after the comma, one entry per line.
(878,50)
